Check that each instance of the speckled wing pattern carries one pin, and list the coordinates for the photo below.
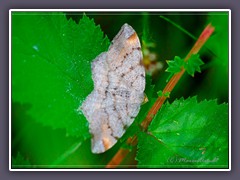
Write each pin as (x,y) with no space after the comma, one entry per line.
(119,83)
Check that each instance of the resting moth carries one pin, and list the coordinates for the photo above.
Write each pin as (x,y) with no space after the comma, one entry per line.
(119,83)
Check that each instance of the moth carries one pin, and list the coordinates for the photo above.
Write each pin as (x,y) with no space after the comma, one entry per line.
(119,83)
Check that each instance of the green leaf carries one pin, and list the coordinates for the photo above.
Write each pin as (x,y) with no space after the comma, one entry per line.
(186,134)
(51,67)
(166,94)
(175,66)
(160,93)
(193,64)
(152,153)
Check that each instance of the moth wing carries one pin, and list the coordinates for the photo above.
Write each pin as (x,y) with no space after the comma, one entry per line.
(119,83)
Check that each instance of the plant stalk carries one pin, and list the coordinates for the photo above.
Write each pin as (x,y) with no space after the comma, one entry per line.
(122,153)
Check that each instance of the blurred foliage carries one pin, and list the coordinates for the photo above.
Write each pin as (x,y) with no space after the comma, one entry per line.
(51,76)
(216,72)
(20,162)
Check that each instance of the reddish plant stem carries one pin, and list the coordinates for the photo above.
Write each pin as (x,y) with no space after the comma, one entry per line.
(122,153)
(118,157)
(159,102)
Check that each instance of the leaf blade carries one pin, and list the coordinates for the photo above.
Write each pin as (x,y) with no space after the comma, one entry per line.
(190,137)
(51,67)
